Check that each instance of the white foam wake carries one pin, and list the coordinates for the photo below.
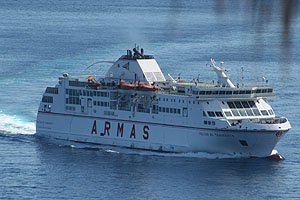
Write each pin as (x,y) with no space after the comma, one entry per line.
(161,154)
(12,124)
(186,155)
(118,150)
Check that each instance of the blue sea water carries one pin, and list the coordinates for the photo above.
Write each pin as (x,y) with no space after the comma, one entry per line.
(40,40)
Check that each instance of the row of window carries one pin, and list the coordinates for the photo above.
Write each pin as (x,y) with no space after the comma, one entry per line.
(71,108)
(244,112)
(76,92)
(172,100)
(240,112)
(216,92)
(248,112)
(169,110)
(179,100)
(78,83)
(214,114)
(242,108)
(209,123)
(73,100)
(47,99)
(52,90)
(241,104)
(101,103)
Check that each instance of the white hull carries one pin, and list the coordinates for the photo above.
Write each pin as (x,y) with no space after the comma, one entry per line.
(155,136)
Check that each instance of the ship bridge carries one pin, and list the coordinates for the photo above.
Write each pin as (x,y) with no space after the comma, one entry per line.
(136,67)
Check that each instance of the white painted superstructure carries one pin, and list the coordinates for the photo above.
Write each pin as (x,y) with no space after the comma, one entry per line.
(135,106)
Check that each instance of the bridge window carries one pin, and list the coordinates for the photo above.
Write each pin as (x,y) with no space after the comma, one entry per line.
(211,114)
(219,114)
(245,104)
(231,105)
(242,112)
(228,114)
(238,104)
(235,113)
(256,112)
(271,112)
(249,112)
(252,104)
(264,112)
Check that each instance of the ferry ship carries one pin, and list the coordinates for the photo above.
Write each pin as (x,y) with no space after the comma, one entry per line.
(134,106)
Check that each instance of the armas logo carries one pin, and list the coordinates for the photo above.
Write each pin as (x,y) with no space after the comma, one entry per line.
(120,130)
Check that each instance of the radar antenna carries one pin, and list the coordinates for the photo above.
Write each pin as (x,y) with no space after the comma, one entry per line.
(223,79)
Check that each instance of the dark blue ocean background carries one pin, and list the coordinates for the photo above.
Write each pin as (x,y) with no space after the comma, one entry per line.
(40,40)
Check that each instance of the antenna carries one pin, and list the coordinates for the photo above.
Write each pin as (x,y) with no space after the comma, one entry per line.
(173,80)
(242,76)
(179,75)
(198,77)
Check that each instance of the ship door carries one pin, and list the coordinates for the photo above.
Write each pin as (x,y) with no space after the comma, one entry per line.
(82,103)
(133,110)
(89,105)
(185,112)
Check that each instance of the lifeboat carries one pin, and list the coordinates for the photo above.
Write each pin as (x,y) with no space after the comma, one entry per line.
(143,87)
(93,83)
(123,85)
(140,87)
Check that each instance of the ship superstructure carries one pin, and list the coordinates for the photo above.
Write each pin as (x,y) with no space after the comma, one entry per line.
(135,106)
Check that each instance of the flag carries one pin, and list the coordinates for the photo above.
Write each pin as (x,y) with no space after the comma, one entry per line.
(126,66)
(90,78)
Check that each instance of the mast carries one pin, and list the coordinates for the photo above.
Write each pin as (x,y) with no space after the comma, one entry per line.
(223,79)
